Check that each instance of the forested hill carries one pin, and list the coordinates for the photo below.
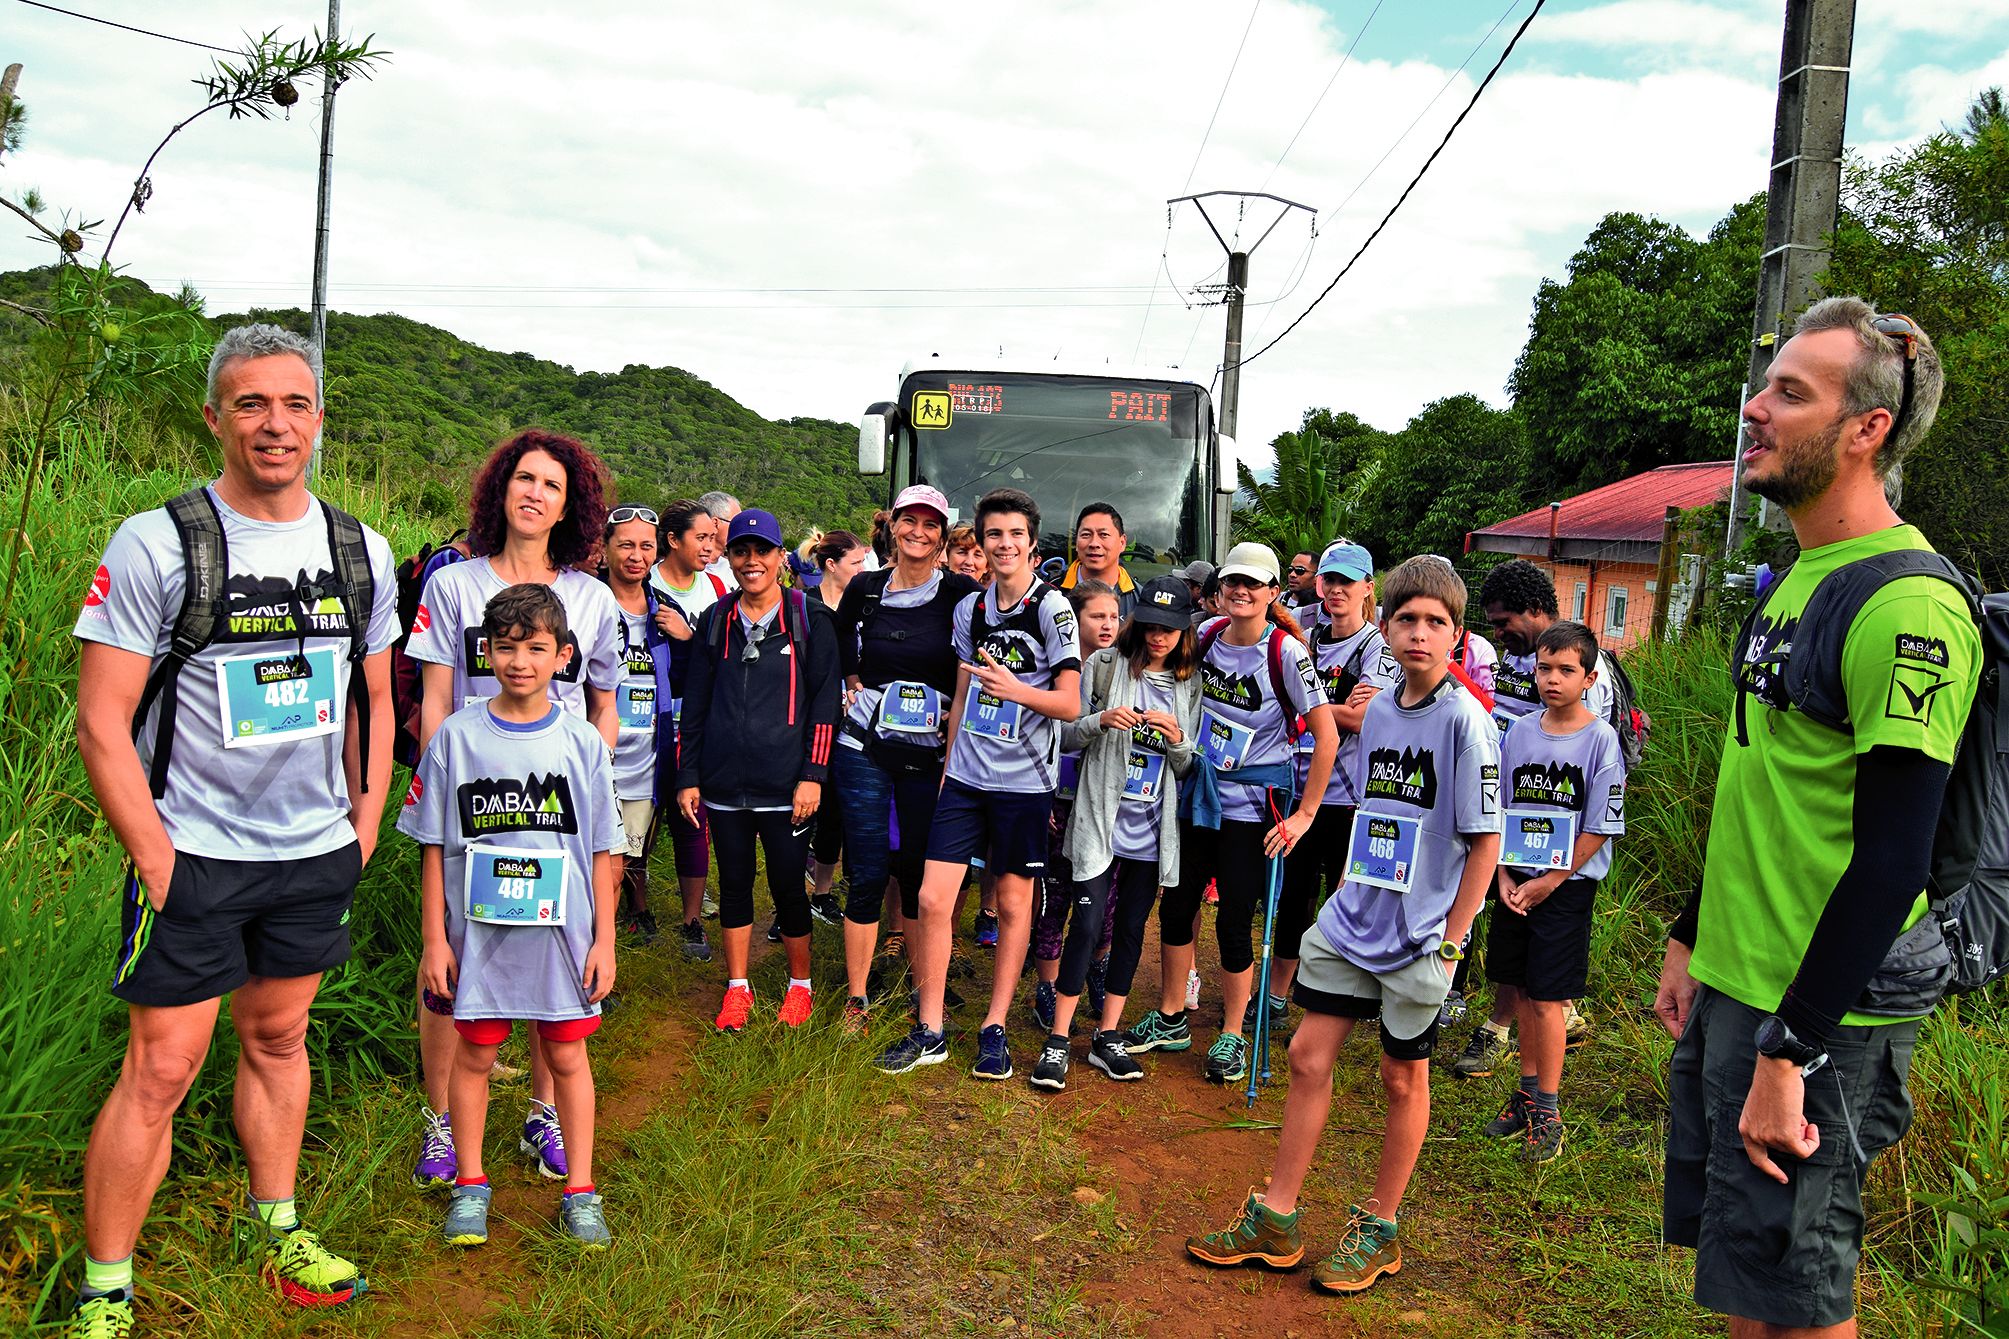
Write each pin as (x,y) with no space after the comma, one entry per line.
(415,406)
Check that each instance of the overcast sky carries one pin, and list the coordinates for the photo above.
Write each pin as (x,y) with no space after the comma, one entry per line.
(790,200)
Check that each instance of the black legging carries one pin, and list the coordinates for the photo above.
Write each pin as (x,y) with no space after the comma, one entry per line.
(1315,866)
(1136,885)
(827,846)
(734,832)
(1233,858)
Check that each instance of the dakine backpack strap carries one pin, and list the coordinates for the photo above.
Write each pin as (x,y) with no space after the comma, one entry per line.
(205,566)
(871,591)
(1813,673)
(357,590)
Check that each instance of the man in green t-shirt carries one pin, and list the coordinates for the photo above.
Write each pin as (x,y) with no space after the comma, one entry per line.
(1819,844)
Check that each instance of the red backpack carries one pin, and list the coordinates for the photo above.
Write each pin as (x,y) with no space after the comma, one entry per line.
(1211,633)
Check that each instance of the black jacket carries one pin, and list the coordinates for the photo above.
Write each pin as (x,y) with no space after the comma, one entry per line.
(751,731)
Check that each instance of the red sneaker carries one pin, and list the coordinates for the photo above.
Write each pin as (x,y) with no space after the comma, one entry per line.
(795,1006)
(732,1014)
(1213,894)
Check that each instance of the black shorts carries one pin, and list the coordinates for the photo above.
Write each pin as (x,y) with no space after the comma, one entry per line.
(226,921)
(1004,829)
(1546,952)
(1783,1254)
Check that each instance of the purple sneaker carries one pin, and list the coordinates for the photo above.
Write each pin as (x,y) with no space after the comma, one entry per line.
(987,929)
(543,1141)
(437,1164)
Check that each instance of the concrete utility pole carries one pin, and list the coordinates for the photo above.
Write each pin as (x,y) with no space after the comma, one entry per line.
(1803,194)
(320,335)
(1233,293)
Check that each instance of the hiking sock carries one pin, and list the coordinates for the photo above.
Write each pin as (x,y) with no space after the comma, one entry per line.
(586,1189)
(1528,1086)
(1179,1017)
(470,1181)
(1497,1029)
(737,981)
(1548,1102)
(279,1216)
(802,981)
(104,1277)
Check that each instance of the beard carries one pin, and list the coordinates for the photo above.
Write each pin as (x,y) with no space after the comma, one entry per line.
(1806,468)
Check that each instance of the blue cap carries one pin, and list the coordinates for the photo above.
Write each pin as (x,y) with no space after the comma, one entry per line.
(1347,559)
(754,523)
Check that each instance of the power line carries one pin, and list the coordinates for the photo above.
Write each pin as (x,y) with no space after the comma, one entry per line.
(411,287)
(143,32)
(1209,133)
(760,306)
(1320,100)
(1406,190)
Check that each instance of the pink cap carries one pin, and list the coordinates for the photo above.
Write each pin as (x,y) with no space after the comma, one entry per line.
(922,495)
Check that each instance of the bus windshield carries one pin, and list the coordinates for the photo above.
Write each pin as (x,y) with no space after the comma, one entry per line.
(1069,441)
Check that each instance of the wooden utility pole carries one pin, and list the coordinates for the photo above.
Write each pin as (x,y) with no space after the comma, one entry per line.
(1803,194)
(7,82)
(320,335)
(1663,580)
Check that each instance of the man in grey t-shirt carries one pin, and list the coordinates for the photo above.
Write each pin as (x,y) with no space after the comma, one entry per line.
(243,867)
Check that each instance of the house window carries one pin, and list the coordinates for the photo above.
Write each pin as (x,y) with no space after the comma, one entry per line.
(1615,602)
(1576,607)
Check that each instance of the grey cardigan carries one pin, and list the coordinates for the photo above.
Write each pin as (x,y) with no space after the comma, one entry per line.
(1106,682)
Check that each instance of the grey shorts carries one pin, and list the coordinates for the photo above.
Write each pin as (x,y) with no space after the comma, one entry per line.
(1782,1254)
(1406,999)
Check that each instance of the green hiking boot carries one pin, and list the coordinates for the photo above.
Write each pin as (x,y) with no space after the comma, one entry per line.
(109,1316)
(1366,1251)
(1258,1233)
(309,1274)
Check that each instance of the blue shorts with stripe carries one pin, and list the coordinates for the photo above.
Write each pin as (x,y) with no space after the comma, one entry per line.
(226,921)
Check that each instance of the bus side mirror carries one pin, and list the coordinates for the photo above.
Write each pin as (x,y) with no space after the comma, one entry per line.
(875,430)
(1225,478)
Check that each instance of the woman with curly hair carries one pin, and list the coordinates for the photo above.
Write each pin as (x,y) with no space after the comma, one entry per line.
(538,506)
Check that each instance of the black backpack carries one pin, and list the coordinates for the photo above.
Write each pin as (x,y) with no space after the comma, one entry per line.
(1962,943)
(407,677)
(205,565)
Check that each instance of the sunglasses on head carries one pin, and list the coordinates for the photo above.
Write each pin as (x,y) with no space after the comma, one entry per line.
(1906,332)
(622,515)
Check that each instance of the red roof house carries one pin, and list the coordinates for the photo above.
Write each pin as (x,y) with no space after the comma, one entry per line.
(1602,548)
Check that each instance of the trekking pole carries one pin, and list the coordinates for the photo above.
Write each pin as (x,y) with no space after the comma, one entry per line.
(1273,894)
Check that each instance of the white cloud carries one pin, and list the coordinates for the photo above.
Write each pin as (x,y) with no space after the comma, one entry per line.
(578,171)
(1671,32)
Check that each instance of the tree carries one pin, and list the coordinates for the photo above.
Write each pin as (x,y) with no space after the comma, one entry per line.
(1635,361)
(1324,473)
(1457,466)
(1926,232)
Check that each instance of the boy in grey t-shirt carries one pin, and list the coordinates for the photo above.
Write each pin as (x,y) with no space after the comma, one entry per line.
(1563,771)
(513,804)
(1424,847)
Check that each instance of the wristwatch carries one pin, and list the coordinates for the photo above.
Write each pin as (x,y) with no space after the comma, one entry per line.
(1775,1041)
(1451,951)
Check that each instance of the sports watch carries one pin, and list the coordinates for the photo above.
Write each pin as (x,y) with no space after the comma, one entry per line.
(1775,1041)
(1451,951)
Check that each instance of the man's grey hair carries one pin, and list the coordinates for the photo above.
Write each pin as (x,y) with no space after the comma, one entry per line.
(720,504)
(257,341)
(1876,379)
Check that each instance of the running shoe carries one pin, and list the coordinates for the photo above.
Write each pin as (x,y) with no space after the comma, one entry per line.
(1155,1032)
(1577,1027)
(894,945)
(919,1047)
(1257,1234)
(796,1006)
(708,907)
(993,1055)
(857,1016)
(642,929)
(987,929)
(467,1216)
(308,1273)
(107,1316)
(1544,1141)
(544,1142)
(1512,1120)
(1366,1251)
(774,931)
(1279,1010)
(437,1164)
(1043,1004)
(1453,1009)
(1192,989)
(696,947)
(1098,974)
(1110,1053)
(1228,1059)
(1051,1071)
(735,1009)
(1484,1050)
(583,1218)
(825,907)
